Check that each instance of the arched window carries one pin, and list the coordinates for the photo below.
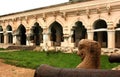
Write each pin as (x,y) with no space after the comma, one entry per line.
(36,34)
(100,32)
(56,31)
(79,32)
(9,34)
(1,35)
(21,30)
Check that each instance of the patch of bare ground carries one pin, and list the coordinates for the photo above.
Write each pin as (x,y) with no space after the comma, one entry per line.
(13,71)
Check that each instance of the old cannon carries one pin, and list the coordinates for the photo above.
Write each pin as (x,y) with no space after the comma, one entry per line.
(114,58)
(89,51)
(49,71)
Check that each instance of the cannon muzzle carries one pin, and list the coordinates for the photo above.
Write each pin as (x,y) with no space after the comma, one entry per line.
(114,58)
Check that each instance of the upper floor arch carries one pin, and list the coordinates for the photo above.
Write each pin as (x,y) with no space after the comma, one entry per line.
(1,29)
(97,18)
(8,28)
(56,33)
(100,23)
(55,20)
(76,20)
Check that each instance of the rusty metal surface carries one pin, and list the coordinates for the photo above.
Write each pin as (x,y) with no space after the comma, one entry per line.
(48,71)
(114,58)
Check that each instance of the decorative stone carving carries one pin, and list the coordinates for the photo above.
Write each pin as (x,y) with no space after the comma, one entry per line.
(89,51)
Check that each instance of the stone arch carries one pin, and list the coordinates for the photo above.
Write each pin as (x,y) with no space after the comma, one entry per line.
(36,35)
(57,20)
(56,33)
(100,32)
(117,35)
(9,28)
(92,20)
(1,35)
(79,32)
(117,19)
(78,19)
(100,23)
(9,34)
(38,22)
(21,34)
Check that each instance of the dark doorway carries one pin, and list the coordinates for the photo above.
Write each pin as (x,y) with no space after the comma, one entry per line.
(56,31)
(117,35)
(21,34)
(36,34)
(100,33)
(79,32)
(9,34)
(1,35)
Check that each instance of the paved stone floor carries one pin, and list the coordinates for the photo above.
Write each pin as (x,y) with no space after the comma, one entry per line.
(13,71)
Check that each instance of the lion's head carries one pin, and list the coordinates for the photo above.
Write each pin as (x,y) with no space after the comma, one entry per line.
(89,51)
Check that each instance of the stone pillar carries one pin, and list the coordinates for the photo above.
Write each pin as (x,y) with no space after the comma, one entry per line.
(27,39)
(111,35)
(46,37)
(18,42)
(14,39)
(111,39)
(66,42)
(90,34)
(5,38)
(70,39)
(45,41)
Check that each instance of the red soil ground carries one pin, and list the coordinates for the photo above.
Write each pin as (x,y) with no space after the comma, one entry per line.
(13,71)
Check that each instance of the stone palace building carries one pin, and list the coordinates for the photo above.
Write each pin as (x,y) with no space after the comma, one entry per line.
(63,25)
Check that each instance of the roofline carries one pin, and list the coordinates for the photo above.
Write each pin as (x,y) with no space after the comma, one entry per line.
(62,4)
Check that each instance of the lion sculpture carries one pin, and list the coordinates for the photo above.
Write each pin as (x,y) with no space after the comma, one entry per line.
(90,52)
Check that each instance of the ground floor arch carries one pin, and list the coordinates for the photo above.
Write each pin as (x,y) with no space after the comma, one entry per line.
(36,35)
(1,38)
(56,33)
(117,35)
(1,35)
(100,32)
(9,35)
(20,35)
(117,39)
(10,38)
(79,32)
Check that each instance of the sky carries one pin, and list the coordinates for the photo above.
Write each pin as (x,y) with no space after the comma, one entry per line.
(12,6)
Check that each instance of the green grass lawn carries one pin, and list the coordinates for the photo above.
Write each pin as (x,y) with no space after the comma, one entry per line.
(30,59)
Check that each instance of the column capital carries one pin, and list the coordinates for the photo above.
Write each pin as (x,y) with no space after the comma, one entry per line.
(66,35)
(45,30)
(110,25)
(90,31)
(89,27)
(111,30)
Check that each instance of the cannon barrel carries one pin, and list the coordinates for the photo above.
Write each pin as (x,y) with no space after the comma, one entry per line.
(114,58)
(49,71)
